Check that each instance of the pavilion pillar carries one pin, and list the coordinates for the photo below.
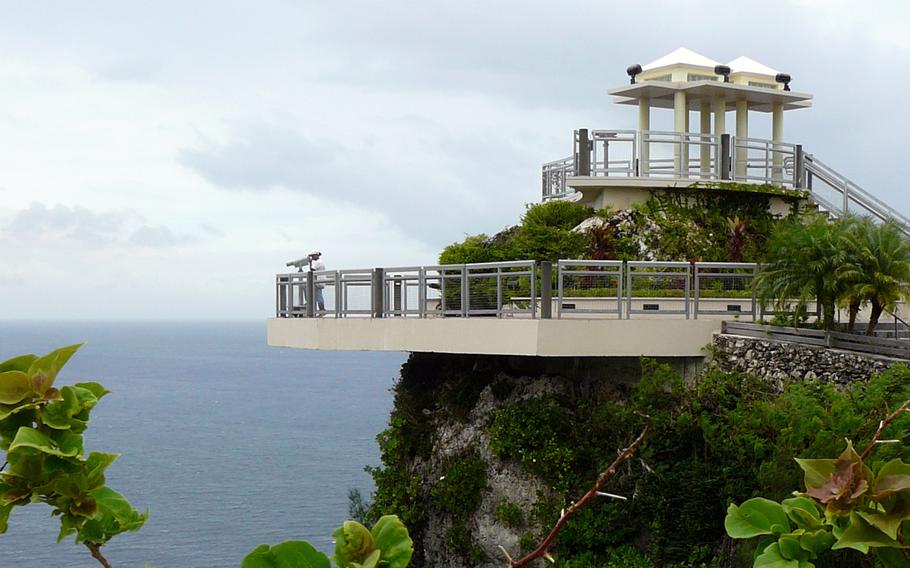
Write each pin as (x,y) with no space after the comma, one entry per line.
(644,125)
(777,136)
(742,131)
(704,146)
(719,108)
(681,126)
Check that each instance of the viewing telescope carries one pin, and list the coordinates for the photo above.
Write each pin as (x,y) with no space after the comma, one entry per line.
(301,263)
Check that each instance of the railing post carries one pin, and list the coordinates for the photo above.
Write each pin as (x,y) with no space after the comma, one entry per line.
(546,290)
(465,292)
(799,168)
(377,296)
(725,155)
(281,296)
(846,197)
(422,292)
(396,296)
(754,293)
(560,283)
(582,153)
(628,290)
(688,289)
(533,290)
(311,294)
(338,294)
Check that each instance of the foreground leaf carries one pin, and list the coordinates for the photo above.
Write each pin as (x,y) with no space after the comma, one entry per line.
(889,522)
(803,511)
(392,539)
(772,558)
(756,517)
(70,445)
(861,536)
(816,473)
(20,363)
(353,543)
(14,387)
(817,542)
(43,370)
(289,554)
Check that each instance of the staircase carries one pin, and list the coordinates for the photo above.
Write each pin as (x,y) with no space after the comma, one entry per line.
(836,194)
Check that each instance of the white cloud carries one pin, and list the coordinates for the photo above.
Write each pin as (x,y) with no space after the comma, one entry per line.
(179,157)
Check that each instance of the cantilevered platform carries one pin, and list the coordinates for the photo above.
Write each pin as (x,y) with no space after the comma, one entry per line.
(491,336)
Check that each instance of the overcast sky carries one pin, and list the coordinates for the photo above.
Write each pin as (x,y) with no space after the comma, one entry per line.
(164,159)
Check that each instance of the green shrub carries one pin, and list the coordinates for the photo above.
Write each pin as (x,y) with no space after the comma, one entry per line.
(557,214)
(508,514)
(459,491)
(458,540)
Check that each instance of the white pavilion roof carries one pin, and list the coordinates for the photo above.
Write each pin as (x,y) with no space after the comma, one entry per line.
(681,56)
(744,64)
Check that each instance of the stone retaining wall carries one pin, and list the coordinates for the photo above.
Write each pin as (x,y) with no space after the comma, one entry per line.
(779,361)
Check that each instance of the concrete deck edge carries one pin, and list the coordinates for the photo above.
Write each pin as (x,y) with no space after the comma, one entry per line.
(546,338)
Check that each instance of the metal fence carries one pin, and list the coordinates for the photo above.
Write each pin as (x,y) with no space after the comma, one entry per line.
(765,161)
(496,289)
(586,287)
(524,289)
(708,157)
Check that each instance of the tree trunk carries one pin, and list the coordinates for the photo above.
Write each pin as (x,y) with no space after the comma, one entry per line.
(853,309)
(828,314)
(873,318)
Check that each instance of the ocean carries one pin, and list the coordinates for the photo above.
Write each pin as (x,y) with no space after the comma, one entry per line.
(228,442)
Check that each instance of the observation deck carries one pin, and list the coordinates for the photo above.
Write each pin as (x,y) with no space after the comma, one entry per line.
(597,308)
(575,308)
(591,308)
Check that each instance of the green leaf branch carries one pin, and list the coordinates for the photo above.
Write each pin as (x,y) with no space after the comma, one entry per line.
(845,505)
(387,545)
(41,433)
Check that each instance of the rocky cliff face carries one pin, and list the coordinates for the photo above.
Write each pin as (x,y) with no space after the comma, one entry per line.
(464,499)
(483,452)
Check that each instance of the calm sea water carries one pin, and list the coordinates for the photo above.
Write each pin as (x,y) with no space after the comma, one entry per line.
(228,442)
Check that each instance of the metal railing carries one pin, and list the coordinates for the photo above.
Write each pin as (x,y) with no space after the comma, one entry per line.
(707,157)
(764,161)
(554,176)
(644,279)
(499,289)
(843,195)
(729,279)
(679,155)
(613,152)
(524,289)
(579,281)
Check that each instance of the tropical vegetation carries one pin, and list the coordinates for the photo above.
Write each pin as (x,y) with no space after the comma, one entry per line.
(387,545)
(41,432)
(726,439)
(694,225)
(847,262)
(846,505)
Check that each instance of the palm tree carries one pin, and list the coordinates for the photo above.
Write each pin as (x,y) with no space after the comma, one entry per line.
(803,264)
(878,270)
